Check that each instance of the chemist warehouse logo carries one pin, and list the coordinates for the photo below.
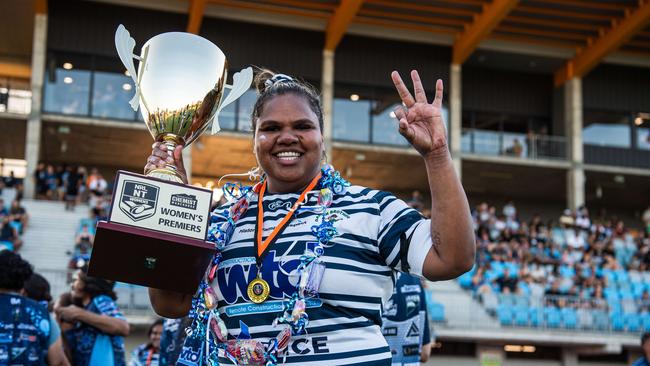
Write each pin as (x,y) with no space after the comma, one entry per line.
(138,200)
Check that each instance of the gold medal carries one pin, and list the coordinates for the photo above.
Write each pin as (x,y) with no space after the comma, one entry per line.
(258,290)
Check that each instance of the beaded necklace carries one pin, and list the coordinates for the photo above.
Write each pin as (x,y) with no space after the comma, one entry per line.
(207,326)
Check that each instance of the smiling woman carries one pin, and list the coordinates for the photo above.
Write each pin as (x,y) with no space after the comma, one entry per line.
(305,260)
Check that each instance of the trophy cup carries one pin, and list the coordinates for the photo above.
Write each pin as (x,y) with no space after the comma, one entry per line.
(156,232)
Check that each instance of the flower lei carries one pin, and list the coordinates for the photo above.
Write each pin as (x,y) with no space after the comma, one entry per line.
(206,322)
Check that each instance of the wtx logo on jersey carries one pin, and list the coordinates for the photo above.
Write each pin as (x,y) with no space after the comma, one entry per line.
(184,200)
(138,200)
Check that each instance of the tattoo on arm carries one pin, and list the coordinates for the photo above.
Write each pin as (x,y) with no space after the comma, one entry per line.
(435,240)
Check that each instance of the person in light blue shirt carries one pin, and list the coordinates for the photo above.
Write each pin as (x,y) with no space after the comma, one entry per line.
(148,354)
(645,346)
(96,339)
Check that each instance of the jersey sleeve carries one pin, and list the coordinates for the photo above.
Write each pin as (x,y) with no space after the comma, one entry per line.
(55,331)
(402,230)
(108,307)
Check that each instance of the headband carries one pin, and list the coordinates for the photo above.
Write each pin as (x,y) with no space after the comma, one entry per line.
(276,79)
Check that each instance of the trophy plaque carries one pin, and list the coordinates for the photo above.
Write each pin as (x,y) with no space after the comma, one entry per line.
(156,232)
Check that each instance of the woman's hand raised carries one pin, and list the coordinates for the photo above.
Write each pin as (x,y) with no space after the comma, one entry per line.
(160,157)
(421,123)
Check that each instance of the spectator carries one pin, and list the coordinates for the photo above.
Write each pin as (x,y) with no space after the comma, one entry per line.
(147,354)
(51,182)
(405,323)
(11,181)
(19,216)
(19,312)
(3,209)
(98,321)
(96,186)
(645,347)
(507,281)
(72,184)
(9,238)
(40,176)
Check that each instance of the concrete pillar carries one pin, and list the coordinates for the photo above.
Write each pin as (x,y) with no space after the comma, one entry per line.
(455,116)
(569,357)
(327,96)
(187,162)
(573,128)
(33,136)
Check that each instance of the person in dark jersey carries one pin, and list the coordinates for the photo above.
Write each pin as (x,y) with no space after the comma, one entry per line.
(26,329)
(405,323)
(172,339)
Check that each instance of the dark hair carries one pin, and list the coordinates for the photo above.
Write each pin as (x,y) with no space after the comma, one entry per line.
(153,325)
(37,288)
(285,86)
(14,271)
(94,286)
(644,338)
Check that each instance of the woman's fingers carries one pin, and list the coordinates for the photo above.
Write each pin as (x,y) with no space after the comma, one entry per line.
(420,95)
(402,90)
(437,101)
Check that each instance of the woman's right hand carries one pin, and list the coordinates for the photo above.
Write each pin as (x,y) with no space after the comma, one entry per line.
(160,157)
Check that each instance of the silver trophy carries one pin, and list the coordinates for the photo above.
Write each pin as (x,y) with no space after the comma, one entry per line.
(179,87)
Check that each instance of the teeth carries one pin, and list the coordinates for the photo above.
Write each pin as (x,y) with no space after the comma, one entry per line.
(288,154)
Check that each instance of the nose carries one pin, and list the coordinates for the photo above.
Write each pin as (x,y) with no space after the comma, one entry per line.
(287,137)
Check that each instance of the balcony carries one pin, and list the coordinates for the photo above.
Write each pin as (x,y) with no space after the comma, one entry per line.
(513,145)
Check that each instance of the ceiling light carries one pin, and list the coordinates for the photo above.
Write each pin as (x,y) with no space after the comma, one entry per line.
(68,80)
(354,97)
(126,86)
(638,121)
(512,348)
(528,349)
(67,66)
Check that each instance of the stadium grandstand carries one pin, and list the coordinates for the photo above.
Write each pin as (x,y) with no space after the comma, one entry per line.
(547,105)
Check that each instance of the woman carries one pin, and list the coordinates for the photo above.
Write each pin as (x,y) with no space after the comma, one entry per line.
(99,327)
(147,354)
(324,254)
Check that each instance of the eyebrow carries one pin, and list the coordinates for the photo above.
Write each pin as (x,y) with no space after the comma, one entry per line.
(298,121)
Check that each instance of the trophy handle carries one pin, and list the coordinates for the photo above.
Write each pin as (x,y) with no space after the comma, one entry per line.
(124,44)
(241,82)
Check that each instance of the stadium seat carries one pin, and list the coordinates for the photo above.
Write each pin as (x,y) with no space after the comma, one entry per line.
(617,321)
(505,314)
(534,316)
(436,312)
(465,280)
(622,276)
(645,321)
(632,322)
(553,317)
(521,317)
(646,277)
(601,321)
(569,318)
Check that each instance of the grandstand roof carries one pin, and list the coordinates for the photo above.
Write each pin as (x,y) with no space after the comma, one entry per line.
(582,32)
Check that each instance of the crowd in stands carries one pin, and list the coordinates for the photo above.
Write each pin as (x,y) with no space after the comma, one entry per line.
(70,184)
(574,272)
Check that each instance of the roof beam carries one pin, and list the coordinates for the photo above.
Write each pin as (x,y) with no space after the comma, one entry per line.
(195,12)
(339,22)
(587,58)
(15,70)
(480,28)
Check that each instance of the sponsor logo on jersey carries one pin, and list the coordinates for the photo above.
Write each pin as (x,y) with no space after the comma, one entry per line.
(414,331)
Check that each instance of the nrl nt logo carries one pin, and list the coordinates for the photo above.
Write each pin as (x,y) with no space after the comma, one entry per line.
(138,200)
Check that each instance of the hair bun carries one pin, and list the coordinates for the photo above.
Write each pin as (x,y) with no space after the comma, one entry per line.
(263,75)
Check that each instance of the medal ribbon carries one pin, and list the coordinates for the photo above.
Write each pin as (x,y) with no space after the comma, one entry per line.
(262,245)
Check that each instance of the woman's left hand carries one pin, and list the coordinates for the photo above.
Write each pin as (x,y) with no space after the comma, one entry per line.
(421,123)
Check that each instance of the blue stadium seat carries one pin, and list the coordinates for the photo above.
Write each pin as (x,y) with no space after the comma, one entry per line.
(534,316)
(622,276)
(610,294)
(436,311)
(601,320)
(521,302)
(632,322)
(638,288)
(521,317)
(645,321)
(569,318)
(508,300)
(505,314)
(617,321)
(553,317)
(567,271)
(465,280)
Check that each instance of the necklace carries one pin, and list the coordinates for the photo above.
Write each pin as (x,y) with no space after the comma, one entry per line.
(208,331)
(258,289)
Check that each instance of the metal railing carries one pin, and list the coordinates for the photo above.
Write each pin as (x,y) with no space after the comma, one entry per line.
(517,145)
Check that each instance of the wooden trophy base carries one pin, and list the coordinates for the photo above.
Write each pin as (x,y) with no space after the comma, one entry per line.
(149,258)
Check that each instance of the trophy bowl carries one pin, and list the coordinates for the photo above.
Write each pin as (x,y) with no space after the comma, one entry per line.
(179,87)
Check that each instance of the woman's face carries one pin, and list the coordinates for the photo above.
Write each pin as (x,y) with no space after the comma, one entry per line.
(288,142)
(77,287)
(154,337)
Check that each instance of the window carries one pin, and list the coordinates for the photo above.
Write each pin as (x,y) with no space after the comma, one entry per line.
(351,120)
(245,105)
(385,128)
(606,129)
(111,95)
(67,92)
